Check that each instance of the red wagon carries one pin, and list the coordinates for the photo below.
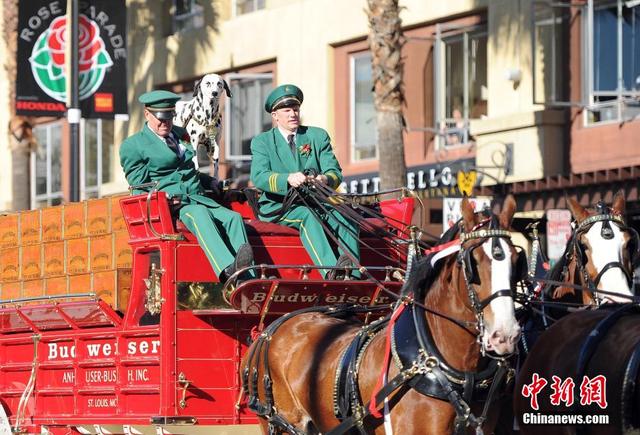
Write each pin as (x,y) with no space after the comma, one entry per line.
(169,362)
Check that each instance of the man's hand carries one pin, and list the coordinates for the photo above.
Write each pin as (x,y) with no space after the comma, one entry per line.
(322,178)
(296,179)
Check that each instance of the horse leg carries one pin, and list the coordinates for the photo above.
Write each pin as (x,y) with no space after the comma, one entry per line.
(303,354)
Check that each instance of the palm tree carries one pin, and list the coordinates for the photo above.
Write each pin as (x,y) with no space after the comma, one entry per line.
(385,42)
(20,138)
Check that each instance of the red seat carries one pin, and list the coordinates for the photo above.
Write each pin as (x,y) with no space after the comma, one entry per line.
(257,227)
(272,243)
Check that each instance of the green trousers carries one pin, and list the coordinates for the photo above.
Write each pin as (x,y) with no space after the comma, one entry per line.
(314,238)
(220,232)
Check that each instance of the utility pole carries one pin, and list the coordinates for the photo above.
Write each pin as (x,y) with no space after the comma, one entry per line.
(73,112)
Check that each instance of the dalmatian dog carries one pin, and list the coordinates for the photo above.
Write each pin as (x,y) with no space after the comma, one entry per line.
(201,115)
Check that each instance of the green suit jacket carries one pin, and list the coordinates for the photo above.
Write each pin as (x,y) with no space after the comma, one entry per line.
(145,157)
(272,162)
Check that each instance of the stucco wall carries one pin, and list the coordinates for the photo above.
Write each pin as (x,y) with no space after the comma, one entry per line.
(537,136)
(299,34)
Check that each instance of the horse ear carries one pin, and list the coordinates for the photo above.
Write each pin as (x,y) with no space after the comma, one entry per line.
(508,210)
(619,204)
(468,214)
(577,211)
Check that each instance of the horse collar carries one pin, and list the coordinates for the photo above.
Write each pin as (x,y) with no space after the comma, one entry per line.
(412,345)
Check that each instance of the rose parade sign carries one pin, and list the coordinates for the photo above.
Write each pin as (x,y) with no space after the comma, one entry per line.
(41,88)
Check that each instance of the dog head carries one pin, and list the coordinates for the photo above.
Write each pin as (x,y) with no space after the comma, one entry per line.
(209,88)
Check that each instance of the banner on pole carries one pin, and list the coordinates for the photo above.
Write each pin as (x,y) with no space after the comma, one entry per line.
(41,88)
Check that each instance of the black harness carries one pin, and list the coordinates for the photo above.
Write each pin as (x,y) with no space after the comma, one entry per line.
(606,232)
(421,366)
(632,368)
(258,354)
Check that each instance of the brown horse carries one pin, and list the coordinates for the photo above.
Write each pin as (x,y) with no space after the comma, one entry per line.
(595,268)
(593,353)
(587,344)
(595,257)
(455,310)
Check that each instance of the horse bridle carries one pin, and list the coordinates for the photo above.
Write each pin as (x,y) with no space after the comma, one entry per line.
(465,262)
(607,233)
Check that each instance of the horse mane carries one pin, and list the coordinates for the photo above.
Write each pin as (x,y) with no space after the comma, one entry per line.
(423,274)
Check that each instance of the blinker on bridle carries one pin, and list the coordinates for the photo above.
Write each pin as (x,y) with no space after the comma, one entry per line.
(497,252)
(606,216)
(606,232)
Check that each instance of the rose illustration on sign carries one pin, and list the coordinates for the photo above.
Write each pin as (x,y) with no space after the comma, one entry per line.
(48,58)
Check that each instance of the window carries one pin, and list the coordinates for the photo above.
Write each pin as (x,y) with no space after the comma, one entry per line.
(247,6)
(550,49)
(46,166)
(460,82)
(613,60)
(363,113)
(97,152)
(245,117)
(189,14)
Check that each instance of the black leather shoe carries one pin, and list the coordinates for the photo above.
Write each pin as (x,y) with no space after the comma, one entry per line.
(339,274)
(335,275)
(244,257)
(226,273)
(343,261)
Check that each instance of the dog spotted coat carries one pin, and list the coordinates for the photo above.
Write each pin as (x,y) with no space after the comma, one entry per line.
(201,115)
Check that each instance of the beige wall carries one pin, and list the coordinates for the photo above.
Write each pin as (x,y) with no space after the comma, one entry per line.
(300,35)
(537,136)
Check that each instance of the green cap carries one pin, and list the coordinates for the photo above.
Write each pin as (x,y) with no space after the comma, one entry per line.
(161,103)
(283,96)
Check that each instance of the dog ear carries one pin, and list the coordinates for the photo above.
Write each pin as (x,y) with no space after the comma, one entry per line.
(226,88)
(196,87)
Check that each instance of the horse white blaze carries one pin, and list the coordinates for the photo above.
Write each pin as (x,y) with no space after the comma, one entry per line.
(604,251)
(501,336)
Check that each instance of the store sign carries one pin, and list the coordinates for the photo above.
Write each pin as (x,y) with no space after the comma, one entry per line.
(437,181)
(41,88)
(558,232)
(451,209)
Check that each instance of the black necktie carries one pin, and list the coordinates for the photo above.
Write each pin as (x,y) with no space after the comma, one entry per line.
(292,144)
(173,146)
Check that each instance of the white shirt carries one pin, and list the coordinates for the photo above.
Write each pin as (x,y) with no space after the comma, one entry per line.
(181,147)
(286,134)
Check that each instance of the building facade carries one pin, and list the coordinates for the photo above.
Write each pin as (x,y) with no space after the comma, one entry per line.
(522,96)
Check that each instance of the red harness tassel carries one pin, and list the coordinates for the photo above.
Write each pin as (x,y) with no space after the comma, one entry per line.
(373,406)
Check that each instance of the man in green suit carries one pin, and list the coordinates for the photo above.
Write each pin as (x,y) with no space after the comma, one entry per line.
(161,152)
(282,158)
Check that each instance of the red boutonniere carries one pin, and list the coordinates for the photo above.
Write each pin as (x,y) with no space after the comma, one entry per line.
(305,149)
(185,137)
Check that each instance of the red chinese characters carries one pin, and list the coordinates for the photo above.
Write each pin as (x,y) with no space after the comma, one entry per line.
(592,391)
(562,391)
(531,390)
